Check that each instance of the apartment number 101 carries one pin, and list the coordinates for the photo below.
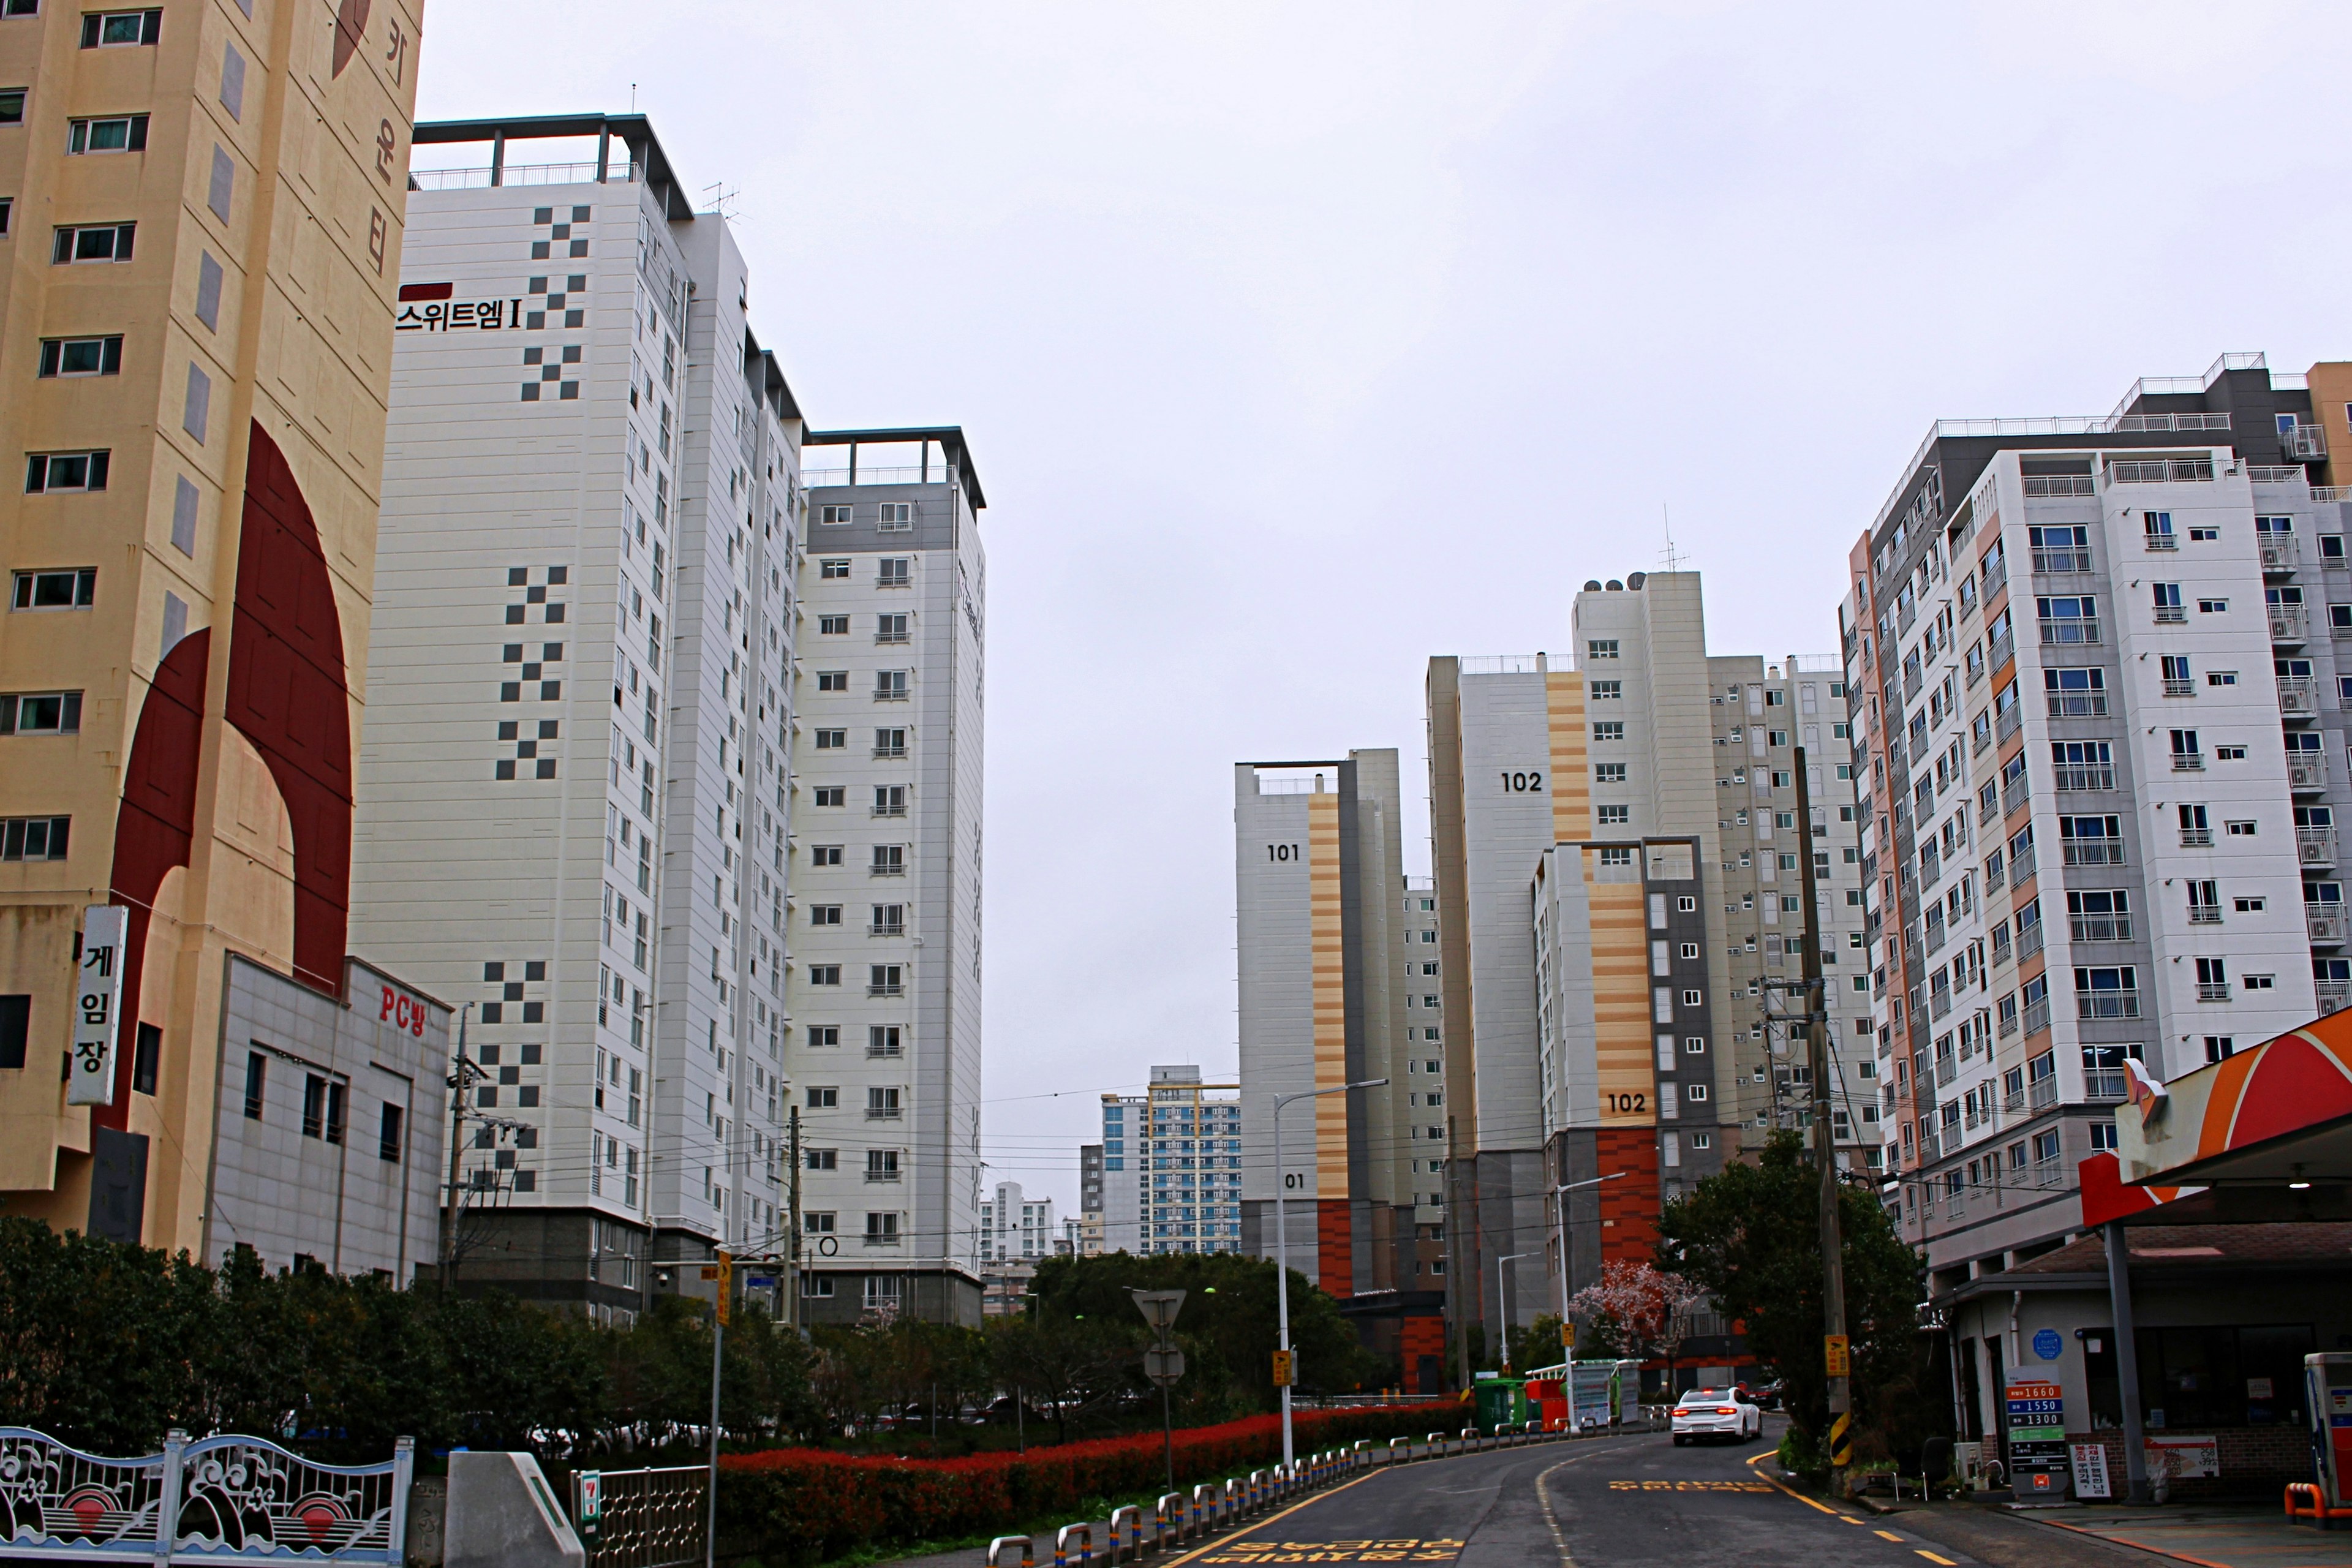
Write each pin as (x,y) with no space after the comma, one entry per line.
(1283,852)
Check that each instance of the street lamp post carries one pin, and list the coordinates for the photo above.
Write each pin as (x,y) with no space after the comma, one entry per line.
(1502,1305)
(1282,1239)
(1559,1197)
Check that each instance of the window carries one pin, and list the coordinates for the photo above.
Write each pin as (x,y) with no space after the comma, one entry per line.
(891,628)
(2091,840)
(833,794)
(2213,980)
(1608,772)
(16,1027)
(146,1057)
(81,356)
(46,472)
(2157,527)
(891,685)
(100,242)
(824,1098)
(12,107)
(108,29)
(1620,858)
(823,1158)
(2257,982)
(824,854)
(2252,906)
(824,914)
(314,1106)
(2229,754)
(833,681)
(2077,693)
(2068,620)
(2217,677)
(1612,816)
(41,714)
(894,516)
(832,740)
(833,569)
(1609,729)
(256,1076)
(821,1036)
(893,572)
(824,975)
(1605,647)
(122,133)
(2212,606)
(65,590)
(834,516)
(2167,603)
(1605,691)
(833,625)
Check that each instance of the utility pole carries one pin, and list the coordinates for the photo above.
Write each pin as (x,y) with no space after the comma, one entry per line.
(1834,1344)
(793,1268)
(460,1079)
(723,1271)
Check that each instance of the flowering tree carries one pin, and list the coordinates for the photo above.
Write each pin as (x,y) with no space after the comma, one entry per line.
(1651,1310)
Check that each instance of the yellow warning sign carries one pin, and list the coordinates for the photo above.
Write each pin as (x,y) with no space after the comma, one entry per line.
(1836,1355)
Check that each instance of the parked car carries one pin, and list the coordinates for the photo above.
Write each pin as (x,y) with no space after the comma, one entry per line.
(1714,1414)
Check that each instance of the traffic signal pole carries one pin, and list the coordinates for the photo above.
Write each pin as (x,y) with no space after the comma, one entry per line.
(1834,1343)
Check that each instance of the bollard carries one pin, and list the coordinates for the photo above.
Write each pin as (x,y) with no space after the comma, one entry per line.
(1396,1443)
(995,1558)
(1258,1491)
(1436,1441)
(1086,1539)
(1168,1523)
(1204,1508)
(1133,1516)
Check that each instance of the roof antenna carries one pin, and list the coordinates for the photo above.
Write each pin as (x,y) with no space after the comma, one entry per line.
(633,97)
(1672,557)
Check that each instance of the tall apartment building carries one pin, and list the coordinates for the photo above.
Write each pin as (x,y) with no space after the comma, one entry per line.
(1618,863)
(1172,1166)
(1015,1226)
(2092,669)
(1337,976)
(885,867)
(208,211)
(1090,1182)
(574,804)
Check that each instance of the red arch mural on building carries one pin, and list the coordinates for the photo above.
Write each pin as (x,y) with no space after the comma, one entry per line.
(288,694)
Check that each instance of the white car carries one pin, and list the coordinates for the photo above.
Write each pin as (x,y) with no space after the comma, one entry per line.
(1716,1414)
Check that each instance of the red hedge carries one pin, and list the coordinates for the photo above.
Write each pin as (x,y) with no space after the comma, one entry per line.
(806,1504)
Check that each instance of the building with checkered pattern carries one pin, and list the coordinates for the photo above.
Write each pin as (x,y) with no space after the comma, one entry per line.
(575,797)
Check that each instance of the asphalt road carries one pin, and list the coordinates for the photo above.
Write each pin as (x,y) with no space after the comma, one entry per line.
(1635,1500)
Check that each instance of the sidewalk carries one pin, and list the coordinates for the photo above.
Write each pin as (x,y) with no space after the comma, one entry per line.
(2218,1535)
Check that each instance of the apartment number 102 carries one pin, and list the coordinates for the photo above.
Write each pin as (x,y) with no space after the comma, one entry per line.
(1283,852)
(1523,783)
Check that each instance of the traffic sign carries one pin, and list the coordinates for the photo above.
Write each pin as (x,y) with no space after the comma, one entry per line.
(1282,1369)
(1158,1308)
(1568,1336)
(1837,1355)
(1164,1366)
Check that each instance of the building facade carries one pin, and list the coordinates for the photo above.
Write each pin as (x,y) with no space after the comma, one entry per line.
(574,806)
(1335,955)
(1016,1227)
(208,211)
(1172,1166)
(2092,669)
(885,985)
(1621,868)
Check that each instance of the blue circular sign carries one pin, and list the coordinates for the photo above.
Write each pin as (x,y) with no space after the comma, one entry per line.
(2046,1343)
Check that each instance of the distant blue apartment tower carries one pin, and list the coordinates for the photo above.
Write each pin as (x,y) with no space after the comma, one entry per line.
(1172,1165)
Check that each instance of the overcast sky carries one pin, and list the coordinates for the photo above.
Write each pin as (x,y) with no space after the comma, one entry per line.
(1296,343)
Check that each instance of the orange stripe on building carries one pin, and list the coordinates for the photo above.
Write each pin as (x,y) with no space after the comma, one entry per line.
(1326,947)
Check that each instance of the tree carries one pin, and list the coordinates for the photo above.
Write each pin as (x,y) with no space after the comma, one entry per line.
(1750,1236)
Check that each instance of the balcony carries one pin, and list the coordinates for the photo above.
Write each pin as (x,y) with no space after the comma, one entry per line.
(2304,444)
(886,930)
(2021,864)
(875,1052)
(1996,576)
(2078,705)
(889,693)
(2197,839)
(2163,541)
(2099,928)
(1939,1006)
(2298,696)
(1944,1069)
(2107,1085)
(2170,616)
(886,1175)
(2334,995)
(2014,798)
(2040,1094)
(2082,778)
(2161,471)
(886,754)
(2010,718)
(2212,991)
(885,989)
(2315,846)
(2180,686)
(2274,473)
(889,637)
(896,868)
(2325,922)
(889,808)
(2037,1017)
(2050,1175)
(2188,761)
(2001,651)
(2287,624)
(2055,487)
(2091,852)
(2280,552)
(881,1113)
(2029,941)
(2053,563)
(2204,914)
(2092,1005)
(2074,631)
(2306,770)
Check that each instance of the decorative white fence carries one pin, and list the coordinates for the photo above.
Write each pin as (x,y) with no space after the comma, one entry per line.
(230,1499)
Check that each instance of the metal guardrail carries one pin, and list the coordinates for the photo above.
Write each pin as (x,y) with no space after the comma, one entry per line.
(231,1499)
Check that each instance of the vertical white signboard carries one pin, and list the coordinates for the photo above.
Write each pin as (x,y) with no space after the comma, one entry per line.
(98,997)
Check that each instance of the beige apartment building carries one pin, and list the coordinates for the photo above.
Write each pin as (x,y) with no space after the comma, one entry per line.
(200,218)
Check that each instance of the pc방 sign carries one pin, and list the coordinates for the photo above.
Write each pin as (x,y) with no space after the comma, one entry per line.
(98,998)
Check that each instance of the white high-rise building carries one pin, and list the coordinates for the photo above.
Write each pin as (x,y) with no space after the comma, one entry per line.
(1172,1166)
(885,865)
(572,796)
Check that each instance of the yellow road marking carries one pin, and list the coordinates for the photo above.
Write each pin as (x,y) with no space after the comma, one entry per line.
(1931,1557)
(1886,1534)
(1849,1519)
(1801,1497)
(1286,1514)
